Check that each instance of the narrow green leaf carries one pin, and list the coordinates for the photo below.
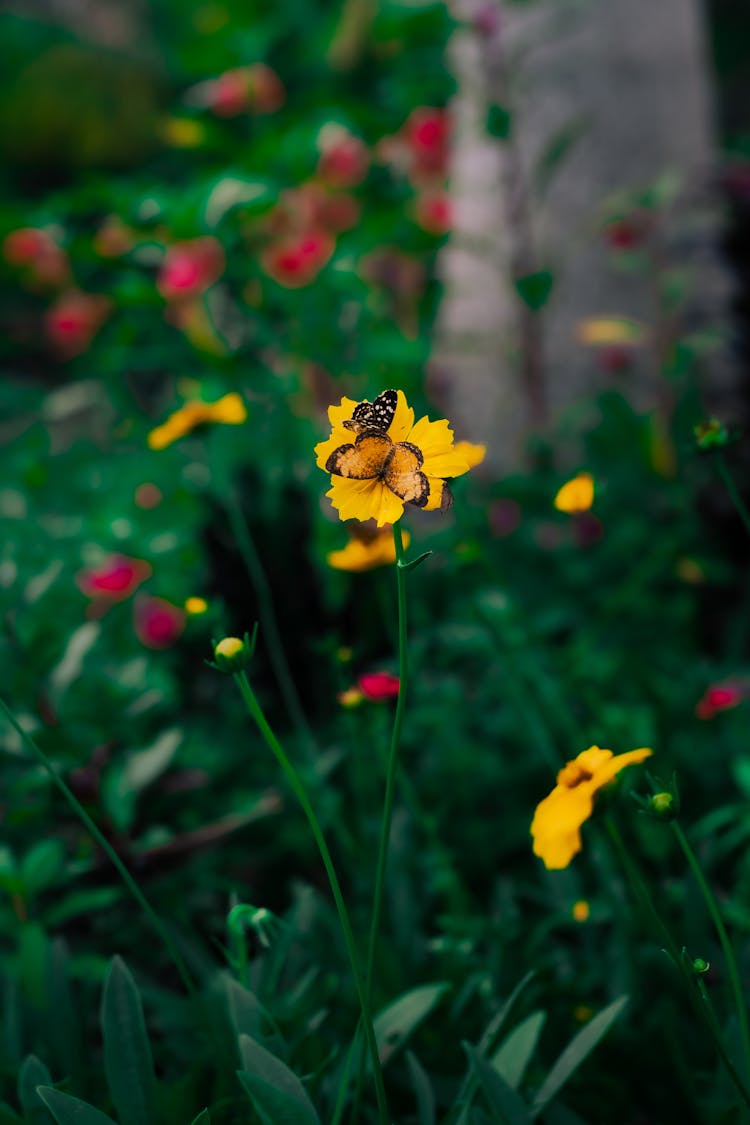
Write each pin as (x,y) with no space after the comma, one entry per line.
(576,1051)
(514,1054)
(502,1099)
(395,1023)
(557,149)
(422,1090)
(33,1073)
(71,1111)
(203,1118)
(263,1072)
(42,865)
(497,1022)
(534,288)
(498,121)
(127,1052)
(63,1020)
(275,1106)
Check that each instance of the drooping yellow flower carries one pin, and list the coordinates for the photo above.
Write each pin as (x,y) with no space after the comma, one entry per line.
(229,410)
(366,552)
(383,460)
(576,495)
(556,827)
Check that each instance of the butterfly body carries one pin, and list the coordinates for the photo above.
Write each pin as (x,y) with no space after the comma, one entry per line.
(374,456)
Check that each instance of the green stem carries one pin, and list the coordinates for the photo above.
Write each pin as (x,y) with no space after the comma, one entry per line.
(732,489)
(390,788)
(705,1009)
(267,616)
(107,848)
(300,793)
(726,945)
(392,768)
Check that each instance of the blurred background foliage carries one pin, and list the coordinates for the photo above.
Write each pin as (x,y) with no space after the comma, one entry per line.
(229,200)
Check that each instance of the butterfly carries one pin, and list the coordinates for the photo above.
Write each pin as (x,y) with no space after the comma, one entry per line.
(376,415)
(373,456)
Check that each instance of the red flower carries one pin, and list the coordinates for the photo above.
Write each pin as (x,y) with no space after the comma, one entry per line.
(73,320)
(158,623)
(719,697)
(427,134)
(344,158)
(297,260)
(256,89)
(33,249)
(115,579)
(189,268)
(379,685)
(434,212)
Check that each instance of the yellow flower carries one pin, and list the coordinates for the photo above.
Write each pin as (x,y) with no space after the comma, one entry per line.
(372,497)
(195,605)
(600,331)
(366,552)
(229,410)
(576,495)
(556,827)
(581,910)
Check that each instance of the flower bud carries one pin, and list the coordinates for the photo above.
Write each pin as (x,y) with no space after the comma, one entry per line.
(232,655)
(664,805)
(710,434)
(699,966)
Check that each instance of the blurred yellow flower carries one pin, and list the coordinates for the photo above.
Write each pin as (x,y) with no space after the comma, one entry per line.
(556,827)
(690,571)
(195,606)
(229,410)
(182,132)
(576,495)
(380,459)
(606,330)
(366,552)
(581,910)
(351,697)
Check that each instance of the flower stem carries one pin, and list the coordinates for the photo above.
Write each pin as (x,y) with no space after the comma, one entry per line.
(300,793)
(267,616)
(704,1009)
(726,945)
(732,489)
(107,848)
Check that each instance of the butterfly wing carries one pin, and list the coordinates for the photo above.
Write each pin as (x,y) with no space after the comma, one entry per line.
(364,460)
(401,473)
(376,415)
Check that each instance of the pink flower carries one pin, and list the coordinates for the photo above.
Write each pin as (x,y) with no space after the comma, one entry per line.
(73,320)
(115,579)
(33,249)
(189,268)
(158,623)
(720,697)
(245,89)
(433,212)
(344,158)
(296,261)
(427,133)
(379,685)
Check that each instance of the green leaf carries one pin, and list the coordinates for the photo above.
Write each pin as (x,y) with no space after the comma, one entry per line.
(558,147)
(271,1085)
(42,865)
(394,1024)
(534,288)
(514,1055)
(576,1051)
(33,1073)
(7,1115)
(127,1052)
(422,1091)
(71,1111)
(503,1100)
(498,121)
(203,1118)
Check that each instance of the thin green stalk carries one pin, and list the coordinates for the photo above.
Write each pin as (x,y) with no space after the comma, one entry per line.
(732,489)
(705,1009)
(300,793)
(107,848)
(267,616)
(390,786)
(726,945)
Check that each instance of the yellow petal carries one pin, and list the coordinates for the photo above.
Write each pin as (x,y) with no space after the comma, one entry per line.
(365,500)
(611,768)
(444,465)
(576,495)
(230,410)
(436,494)
(403,420)
(337,415)
(432,437)
(359,555)
(556,827)
(470,453)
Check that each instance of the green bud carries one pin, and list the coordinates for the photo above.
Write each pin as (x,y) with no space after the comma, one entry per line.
(710,434)
(231,655)
(699,966)
(664,805)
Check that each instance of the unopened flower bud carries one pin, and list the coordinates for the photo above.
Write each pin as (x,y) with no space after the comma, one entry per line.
(699,966)
(231,655)
(710,434)
(664,806)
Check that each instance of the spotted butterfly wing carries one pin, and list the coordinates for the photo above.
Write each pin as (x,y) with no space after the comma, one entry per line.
(376,415)
(402,474)
(365,459)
